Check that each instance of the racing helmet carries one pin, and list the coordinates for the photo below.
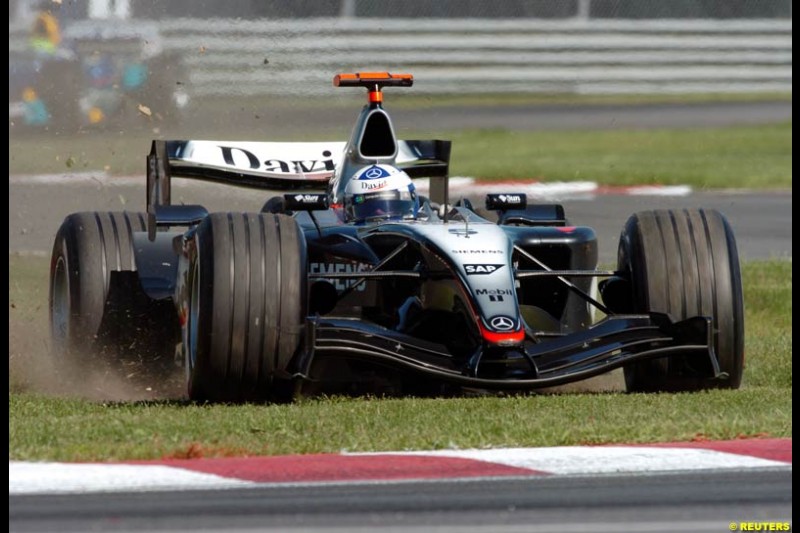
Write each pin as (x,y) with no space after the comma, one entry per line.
(380,192)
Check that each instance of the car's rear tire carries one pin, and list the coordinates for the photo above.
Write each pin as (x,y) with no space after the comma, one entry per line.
(97,306)
(247,306)
(685,263)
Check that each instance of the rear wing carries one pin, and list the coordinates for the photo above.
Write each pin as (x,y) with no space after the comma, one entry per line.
(277,166)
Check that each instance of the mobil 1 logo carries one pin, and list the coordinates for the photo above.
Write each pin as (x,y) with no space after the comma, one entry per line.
(481,269)
(495,295)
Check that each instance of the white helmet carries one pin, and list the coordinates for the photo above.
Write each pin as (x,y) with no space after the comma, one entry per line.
(380,191)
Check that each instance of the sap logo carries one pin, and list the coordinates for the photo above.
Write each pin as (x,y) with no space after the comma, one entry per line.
(481,269)
(340,283)
(241,158)
(510,198)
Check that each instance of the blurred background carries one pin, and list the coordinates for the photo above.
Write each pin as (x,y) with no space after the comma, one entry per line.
(79,63)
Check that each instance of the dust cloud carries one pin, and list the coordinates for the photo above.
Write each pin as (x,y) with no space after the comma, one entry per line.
(33,368)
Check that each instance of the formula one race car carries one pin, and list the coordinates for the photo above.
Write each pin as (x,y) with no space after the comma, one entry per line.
(354,279)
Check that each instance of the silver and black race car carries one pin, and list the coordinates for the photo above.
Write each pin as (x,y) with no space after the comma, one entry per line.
(315,293)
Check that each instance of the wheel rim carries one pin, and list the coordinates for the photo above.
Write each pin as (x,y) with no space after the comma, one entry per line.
(59,307)
(194,318)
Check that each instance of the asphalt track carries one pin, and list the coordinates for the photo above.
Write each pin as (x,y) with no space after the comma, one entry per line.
(762,222)
(698,502)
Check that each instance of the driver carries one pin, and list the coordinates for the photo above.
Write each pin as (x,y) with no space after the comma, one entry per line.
(380,192)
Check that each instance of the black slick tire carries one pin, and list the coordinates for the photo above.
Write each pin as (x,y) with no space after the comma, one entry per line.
(96,304)
(685,263)
(247,306)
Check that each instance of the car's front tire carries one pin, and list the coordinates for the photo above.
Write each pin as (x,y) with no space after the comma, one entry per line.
(685,263)
(247,305)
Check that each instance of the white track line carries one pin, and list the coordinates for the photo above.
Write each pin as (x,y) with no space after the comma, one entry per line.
(609,459)
(53,478)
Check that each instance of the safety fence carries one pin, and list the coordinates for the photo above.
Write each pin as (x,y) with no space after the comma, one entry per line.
(228,57)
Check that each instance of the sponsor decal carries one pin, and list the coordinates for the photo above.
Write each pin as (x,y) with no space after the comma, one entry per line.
(481,292)
(307,198)
(495,295)
(373,185)
(476,251)
(502,323)
(375,195)
(510,198)
(340,284)
(373,173)
(235,156)
(505,201)
(481,269)
(462,232)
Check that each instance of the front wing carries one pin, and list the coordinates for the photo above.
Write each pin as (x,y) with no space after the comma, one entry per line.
(615,341)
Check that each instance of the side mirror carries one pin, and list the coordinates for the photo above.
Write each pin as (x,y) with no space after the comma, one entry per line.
(504,202)
(305,202)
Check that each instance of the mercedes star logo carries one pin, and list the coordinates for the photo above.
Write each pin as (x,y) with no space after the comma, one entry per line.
(502,323)
(373,173)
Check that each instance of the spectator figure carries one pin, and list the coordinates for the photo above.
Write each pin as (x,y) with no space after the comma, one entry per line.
(46,32)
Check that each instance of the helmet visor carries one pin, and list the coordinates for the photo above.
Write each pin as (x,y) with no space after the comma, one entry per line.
(383,204)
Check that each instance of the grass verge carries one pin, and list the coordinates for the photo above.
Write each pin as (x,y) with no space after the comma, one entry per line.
(731,157)
(735,157)
(47,427)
